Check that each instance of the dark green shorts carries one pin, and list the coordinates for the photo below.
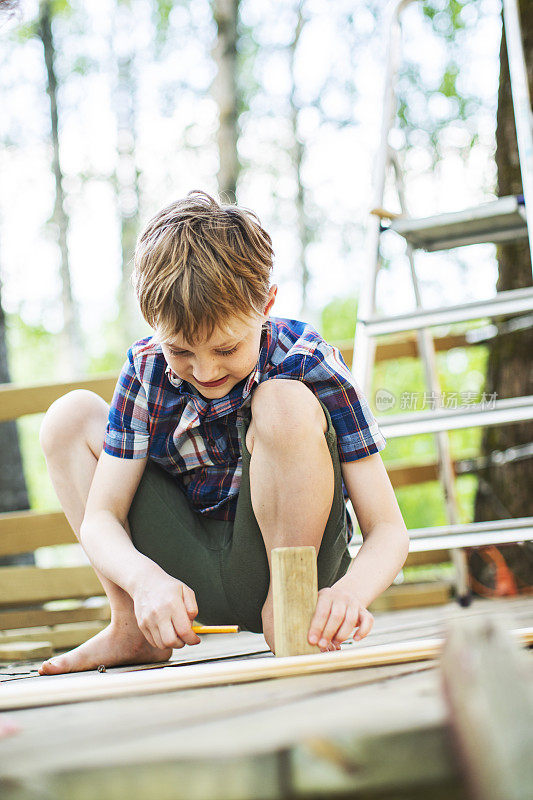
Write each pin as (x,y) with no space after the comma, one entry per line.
(225,563)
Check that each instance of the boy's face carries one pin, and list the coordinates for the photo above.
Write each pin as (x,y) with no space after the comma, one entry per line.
(226,358)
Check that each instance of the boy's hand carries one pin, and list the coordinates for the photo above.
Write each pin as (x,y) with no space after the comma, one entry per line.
(165,608)
(337,613)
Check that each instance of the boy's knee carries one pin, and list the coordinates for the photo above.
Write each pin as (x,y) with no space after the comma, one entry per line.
(69,415)
(286,407)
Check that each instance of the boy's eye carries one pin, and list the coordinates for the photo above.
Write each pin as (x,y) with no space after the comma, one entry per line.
(221,352)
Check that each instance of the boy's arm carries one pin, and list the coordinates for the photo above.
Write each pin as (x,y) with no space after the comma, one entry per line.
(385,537)
(102,533)
(164,606)
(343,606)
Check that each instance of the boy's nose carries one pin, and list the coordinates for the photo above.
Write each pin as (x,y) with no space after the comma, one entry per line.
(207,375)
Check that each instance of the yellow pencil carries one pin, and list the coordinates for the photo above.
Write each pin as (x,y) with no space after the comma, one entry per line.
(215,628)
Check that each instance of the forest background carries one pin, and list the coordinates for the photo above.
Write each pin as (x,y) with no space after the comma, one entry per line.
(112,109)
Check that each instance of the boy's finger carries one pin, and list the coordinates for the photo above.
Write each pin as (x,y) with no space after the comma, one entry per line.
(157,639)
(190,603)
(366,620)
(169,636)
(320,616)
(347,627)
(183,627)
(334,622)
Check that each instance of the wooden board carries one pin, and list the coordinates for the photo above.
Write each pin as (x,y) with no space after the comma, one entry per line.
(50,690)
(202,728)
(295,590)
(491,708)
(17,401)
(413,595)
(25,531)
(27,585)
(38,617)
(61,637)
(17,650)
(250,740)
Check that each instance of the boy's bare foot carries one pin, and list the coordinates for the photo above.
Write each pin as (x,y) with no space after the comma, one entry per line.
(116,644)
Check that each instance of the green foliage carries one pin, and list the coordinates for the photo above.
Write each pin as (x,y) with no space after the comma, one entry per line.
(41,493)
(161,10)
(338,319)
(34,351)
(34,359)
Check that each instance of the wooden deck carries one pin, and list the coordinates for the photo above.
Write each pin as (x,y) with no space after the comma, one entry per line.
(370,732)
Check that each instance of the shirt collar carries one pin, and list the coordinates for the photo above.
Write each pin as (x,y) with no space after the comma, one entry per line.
(174,380)
(267,347)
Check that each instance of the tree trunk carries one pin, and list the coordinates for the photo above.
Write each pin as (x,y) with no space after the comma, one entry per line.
(505,490)
(13,491)
(127,174)
(226,93)
(297,156)
(71,334)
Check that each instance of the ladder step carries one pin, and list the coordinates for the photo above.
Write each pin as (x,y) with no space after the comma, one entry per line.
(500,220)
(496,412)
(509,302)
(472,534)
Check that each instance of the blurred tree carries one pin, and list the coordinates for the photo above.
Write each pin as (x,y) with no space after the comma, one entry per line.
(225,89)
(13,490)
(505,489)
(126,177)
(300,102)
(71,334)
(305,235)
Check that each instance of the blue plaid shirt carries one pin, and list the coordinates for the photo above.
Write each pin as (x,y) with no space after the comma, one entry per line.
(154,413)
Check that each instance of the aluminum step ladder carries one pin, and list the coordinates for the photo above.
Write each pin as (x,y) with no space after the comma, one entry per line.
(500,220)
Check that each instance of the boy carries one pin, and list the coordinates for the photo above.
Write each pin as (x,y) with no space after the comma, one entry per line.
(229,433)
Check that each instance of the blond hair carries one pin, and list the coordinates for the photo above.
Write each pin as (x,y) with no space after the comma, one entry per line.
(198,263)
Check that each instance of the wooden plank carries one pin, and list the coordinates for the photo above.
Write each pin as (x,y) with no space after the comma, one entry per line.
(413,763)
(409,475)
(33,617)
(24,651)
(488,685)
(404,347)
(17,401)
(412,595)
(27,585)
(422,557)
(295,590)
(52,690)
(62,637)
(193,729)
(25,531)
(237,778)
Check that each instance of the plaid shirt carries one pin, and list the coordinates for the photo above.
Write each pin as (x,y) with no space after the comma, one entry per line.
(154,413)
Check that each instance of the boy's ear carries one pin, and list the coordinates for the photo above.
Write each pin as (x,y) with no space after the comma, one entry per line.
(272,294)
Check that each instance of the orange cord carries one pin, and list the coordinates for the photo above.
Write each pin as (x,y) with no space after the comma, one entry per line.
(504,583)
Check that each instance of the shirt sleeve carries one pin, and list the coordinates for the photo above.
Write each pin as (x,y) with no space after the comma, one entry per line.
(128,427)
(327,375)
